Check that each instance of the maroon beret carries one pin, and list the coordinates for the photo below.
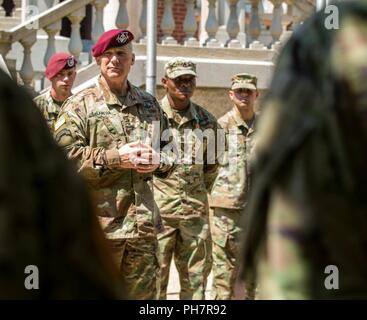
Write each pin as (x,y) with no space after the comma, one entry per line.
(58,62)
(110,39)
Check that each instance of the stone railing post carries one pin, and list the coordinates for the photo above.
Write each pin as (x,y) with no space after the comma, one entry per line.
(190,24)
(143,22)
(211,25)
(98,27)
(51,31)
(26,71)
(122,19)
(75,44)
(255,26)
(276,25)
(168,24)
(233,27)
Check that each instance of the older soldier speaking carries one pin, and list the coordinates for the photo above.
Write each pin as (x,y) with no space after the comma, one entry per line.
(182,197)
(61,71)
(230,190)
(99,127)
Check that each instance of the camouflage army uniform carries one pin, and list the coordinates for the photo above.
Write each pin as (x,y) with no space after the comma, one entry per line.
(182,199)
(49,107)
(47,218)
(228,199)
(308,207)
(92,126)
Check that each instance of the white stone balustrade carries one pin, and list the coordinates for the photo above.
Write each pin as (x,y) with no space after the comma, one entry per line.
(51,31)
(75,44)
(98,27)
(233,27)
(220,20)
(276,26)
(122,19)
(255,26)
(190,24)
(27,72)
(211,25)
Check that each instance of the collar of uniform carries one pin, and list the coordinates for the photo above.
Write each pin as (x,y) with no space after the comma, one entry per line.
(191,113)
(52,106)
(240,122)
(111,99)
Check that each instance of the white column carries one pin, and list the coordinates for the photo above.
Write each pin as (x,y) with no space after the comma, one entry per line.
(168,24)
(233,28)
(98,27)
(151,66)
(27,72)
(190,24)
(122,19)
(75,44)
(51,31)
(143,22)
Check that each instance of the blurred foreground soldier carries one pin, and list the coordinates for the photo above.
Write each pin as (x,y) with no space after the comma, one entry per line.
(182,197)
(61,71)
(307,233)
(50,239)
(230,190)
(102,129)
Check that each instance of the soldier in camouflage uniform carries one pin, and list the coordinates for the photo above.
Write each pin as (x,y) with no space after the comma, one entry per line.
(308,206)
(47,218)
(182,198)
(61,71)
(101,128)
(230,190)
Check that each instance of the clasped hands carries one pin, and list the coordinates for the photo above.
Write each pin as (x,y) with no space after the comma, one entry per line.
(139,156)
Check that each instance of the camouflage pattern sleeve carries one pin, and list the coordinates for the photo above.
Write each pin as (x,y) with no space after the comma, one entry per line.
(71,133)
(212,161)
(167,158)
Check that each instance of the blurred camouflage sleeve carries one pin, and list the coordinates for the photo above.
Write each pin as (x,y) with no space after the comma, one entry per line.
(71,133)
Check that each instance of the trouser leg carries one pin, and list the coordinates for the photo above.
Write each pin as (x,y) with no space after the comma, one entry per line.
(193,257)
